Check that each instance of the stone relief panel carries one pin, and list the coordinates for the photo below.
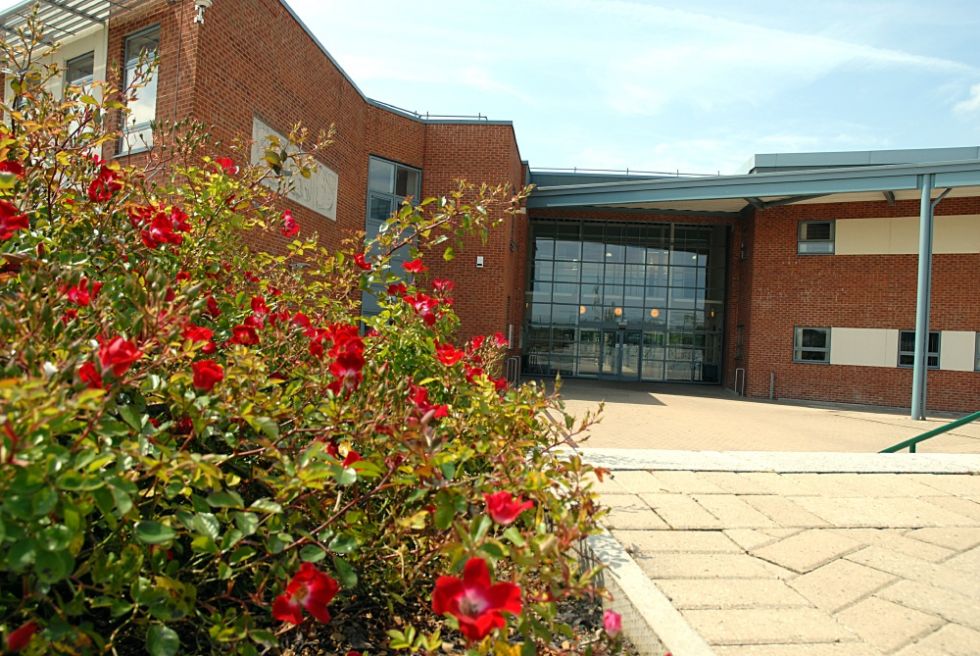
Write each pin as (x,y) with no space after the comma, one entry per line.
(318,192)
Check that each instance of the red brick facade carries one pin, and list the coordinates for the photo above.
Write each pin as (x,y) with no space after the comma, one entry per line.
(251,58)
(856,291)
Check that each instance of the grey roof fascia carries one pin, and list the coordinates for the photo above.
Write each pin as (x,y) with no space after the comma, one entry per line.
(828,159)
(760,185)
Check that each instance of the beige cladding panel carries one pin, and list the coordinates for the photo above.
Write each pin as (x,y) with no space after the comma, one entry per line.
(896,236)
(957,350)
(864,347)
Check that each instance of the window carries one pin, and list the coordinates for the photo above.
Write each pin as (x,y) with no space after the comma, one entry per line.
(141,47)
(906,349)
(389,184)
(812,345)
(80,70)
(816,237)
(976,354)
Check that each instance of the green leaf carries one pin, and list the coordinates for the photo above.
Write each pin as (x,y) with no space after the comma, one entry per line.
(52,566)
(266,506)
(312,553)
(268,426)
(226,499)
(448,254)
(130,417)
(161,640)
(21,555)
(240,554)
(345,573)
(150,532)
(343,543)
(514,536)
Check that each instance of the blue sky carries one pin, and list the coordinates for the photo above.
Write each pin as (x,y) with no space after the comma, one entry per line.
(696,86)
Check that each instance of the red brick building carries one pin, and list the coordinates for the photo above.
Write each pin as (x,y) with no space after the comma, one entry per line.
(797,279)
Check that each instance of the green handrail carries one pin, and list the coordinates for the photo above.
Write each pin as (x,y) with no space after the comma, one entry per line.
(912,441)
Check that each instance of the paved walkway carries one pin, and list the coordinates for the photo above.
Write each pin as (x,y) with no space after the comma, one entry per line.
(662,416)
(796,554)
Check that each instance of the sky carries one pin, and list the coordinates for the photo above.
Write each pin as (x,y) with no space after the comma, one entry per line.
(696,85)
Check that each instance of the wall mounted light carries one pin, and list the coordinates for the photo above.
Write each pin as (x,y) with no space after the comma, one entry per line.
(618,312)
(199,7)
(582,309)
(655,312)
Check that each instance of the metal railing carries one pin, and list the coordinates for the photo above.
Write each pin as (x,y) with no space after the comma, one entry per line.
(911,443)
(512,370)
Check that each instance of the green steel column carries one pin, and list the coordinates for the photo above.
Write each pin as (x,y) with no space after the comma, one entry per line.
(919,367)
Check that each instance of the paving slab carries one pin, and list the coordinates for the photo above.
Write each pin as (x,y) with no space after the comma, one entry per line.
(730,593)
(808,550)
(708,566)
(732,511)
(784,561)
(767,625)
(950,640)
(886,625)
(811,649)
(648,543)
(951,606)
(628,511)
(839,584)
(681,511)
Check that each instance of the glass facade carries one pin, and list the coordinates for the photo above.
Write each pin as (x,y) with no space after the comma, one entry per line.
(632,301)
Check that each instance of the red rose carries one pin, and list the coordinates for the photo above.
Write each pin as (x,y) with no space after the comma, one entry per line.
(361,261)
(351,457)
(310,589)
(289,226)
(448,354)
(83,293)
(397,289)
(206,374)
(105,184)
(474,601)
(118,354)
(415,266)
(504,508)
(500,339)
(197,333)
(227,164)
(213,308)
(90,376)
(11,220)
(259,306)
(21,637)
(182,275)
(15,168)
(244,335)
(442,286)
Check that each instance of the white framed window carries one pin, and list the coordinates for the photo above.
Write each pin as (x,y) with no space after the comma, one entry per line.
(80,71)
(811,345)
(142,46)
(815,238)
(389,183)
(906,349)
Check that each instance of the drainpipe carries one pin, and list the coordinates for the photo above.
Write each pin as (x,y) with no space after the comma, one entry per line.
(923,291)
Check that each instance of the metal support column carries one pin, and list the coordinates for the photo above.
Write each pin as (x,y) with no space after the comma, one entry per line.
(919,367)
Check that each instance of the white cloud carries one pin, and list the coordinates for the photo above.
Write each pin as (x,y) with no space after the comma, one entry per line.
(971,104)
(707,62)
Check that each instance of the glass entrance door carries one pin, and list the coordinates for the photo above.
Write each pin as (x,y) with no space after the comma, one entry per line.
(620,354)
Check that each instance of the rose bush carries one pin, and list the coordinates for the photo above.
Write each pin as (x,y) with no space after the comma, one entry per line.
(207,450)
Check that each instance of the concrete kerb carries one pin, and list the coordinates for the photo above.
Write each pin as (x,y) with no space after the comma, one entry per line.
(782,462)
(650,620)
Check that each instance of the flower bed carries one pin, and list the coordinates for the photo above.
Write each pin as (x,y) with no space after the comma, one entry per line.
(208,450)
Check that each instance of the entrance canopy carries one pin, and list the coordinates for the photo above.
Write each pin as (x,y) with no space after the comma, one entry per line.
(731,194)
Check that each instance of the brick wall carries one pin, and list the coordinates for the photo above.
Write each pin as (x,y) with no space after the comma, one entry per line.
(859,291)
(252,58)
